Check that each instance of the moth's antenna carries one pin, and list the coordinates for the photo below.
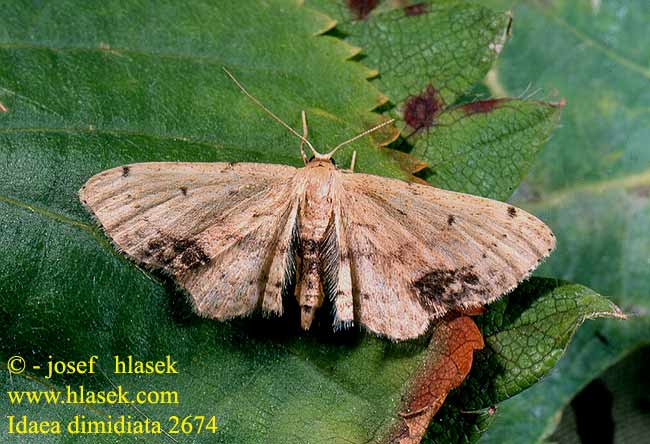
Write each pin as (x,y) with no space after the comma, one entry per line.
(305,134)
(268,111)
(358,136)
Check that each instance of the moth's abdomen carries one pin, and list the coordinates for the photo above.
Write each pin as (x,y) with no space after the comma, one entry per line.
(310,288)
(315,216)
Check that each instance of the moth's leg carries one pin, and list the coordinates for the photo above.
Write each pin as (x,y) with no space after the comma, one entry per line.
(305,132)
(354,159)
(352,162)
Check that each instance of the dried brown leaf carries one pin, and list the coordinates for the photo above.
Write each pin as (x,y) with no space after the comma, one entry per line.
(449,361)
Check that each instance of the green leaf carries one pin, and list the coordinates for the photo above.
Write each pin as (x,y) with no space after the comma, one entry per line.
(533,415)
(160,82)
(599,225)
(525,333)
(428,55)
(486,147)
(87,87)
(525,336)
(613,406)
(450,45)
(590,183)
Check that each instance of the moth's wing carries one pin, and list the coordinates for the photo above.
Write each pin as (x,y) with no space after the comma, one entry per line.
(418,252)
(215,227)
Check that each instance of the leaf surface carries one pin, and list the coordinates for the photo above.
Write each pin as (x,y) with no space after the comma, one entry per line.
(428,56)
(590,183)
(525,333)
(85,88)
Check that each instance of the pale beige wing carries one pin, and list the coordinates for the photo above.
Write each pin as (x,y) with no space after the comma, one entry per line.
(418,252)
(217,228)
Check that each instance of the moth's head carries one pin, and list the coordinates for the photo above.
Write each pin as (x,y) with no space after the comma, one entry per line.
(328,156)
(321,162)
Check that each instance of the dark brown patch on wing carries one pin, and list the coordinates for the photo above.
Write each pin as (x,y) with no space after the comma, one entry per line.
(179,254)
(361,8)
(190,252)
(450,220)
(512,212)
(416,9)
(420,110)
(450,288)
(125,171)
(183,190)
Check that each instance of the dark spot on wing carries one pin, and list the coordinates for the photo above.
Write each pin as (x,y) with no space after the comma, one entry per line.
(183,190)
(416,9)
(361,8)
(450,220)
(469,278)
(180,254)
(512,212)
(125,171)
(449,288)
(154,245)
(190,252)
(367,226)
(482,106)
(420,110)
(158,251)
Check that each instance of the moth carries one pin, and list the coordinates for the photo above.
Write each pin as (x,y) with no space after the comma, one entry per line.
(389,255)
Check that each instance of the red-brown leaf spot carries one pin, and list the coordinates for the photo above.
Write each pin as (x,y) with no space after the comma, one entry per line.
(416,9)
(361,8)
(3,108)
(482,106)
(420,110)
(448,361)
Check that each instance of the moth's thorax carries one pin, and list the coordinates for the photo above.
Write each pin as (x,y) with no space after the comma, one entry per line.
(316,204)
